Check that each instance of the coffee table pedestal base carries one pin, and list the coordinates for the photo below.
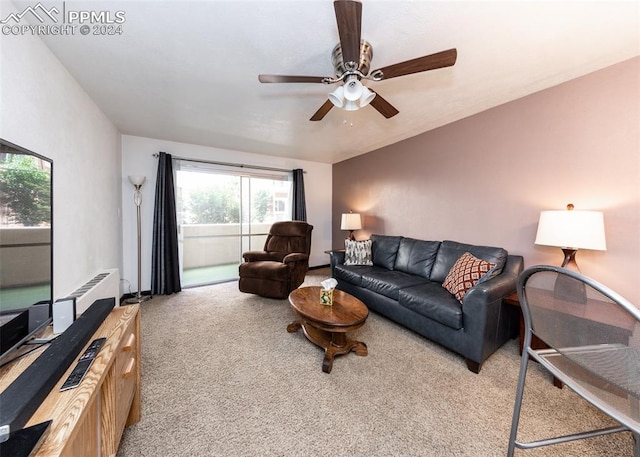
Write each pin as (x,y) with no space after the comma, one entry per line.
(334,343)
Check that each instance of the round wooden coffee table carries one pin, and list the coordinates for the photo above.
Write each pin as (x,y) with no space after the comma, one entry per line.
(327,326)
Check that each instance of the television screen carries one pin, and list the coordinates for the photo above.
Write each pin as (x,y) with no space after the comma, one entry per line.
(26,271)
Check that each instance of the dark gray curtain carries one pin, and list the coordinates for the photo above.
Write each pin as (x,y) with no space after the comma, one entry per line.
(165,267)
(299,204)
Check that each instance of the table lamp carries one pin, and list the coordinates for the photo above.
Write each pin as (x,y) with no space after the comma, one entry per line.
(351,221)
(571,230)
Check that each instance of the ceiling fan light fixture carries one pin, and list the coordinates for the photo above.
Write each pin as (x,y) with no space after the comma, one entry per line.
(352,88)
(366,96)
(337,97)
(350,105)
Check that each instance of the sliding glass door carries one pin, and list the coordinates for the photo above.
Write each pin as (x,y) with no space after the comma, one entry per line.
(224,211)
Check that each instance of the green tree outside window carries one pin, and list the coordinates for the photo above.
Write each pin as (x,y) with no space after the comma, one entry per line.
(26,190)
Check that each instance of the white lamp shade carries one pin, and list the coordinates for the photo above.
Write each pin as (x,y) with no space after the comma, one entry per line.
(351,221)
(353,89)
(572,229)
(337,97)
(137,180)
(366,96)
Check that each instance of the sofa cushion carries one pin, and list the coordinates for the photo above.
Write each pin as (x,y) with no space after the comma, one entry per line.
(351,273)
(433,301)
(416,256)
(384,250)
(357,252)
(387,283)
(465,274)
(451,251)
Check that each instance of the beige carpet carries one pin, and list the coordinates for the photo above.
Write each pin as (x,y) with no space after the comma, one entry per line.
(222,377)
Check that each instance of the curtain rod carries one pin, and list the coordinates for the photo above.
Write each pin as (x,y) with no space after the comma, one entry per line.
(228,164)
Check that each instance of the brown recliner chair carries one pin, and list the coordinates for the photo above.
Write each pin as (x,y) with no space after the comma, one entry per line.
(283,264)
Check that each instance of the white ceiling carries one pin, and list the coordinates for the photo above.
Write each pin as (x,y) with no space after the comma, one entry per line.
(187,71)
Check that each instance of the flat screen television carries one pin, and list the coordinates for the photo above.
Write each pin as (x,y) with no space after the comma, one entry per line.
(26,246)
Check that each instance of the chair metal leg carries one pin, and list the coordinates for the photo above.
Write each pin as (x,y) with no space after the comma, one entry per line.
(635,408)
(518,403)
(572,344)
(513,443)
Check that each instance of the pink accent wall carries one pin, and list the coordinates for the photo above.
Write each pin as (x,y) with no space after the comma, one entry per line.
(485,179)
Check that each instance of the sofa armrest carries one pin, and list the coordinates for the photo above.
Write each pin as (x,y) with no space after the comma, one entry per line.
(255,256)
(499,287)
(487,321)
(295,257)
(337,258)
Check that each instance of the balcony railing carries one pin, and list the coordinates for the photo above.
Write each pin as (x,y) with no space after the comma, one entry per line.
(212,252)
(26,256)
(206,245)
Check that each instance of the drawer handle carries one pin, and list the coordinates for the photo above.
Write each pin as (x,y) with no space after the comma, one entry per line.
(130,367)
(130,342)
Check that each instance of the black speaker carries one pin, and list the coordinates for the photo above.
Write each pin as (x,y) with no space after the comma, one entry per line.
(39,315)
(23,443)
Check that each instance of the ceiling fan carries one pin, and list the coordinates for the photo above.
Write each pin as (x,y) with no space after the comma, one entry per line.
(351,59)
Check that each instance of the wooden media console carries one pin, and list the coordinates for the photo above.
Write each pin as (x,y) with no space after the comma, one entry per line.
(89,420)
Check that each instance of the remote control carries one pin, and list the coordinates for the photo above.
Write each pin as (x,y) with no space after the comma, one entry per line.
(81,368)
(76,375)
(93,349)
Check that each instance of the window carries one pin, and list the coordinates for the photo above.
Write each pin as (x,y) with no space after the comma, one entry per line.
(224,211)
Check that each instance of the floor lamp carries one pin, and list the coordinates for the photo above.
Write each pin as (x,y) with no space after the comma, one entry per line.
(137,182)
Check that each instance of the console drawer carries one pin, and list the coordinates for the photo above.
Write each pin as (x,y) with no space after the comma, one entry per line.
(126,377)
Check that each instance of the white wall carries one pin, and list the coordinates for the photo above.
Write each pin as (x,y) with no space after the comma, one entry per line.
(137,159)
(43,109)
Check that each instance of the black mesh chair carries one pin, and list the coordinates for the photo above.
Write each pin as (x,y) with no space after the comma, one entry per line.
(593,336)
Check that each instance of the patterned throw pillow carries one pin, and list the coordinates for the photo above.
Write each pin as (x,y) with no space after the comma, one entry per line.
(465,274)
(357,252)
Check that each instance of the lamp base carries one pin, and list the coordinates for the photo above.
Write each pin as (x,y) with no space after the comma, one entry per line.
(567,288)
(351,237)
(139,298)
(569,261)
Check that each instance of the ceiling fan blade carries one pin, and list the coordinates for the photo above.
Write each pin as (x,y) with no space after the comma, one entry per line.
(431,62)
(324,109)
(384,107)
(349,19)
(290,79)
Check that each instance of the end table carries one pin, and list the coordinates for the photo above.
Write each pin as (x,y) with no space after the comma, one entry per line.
(536,343)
